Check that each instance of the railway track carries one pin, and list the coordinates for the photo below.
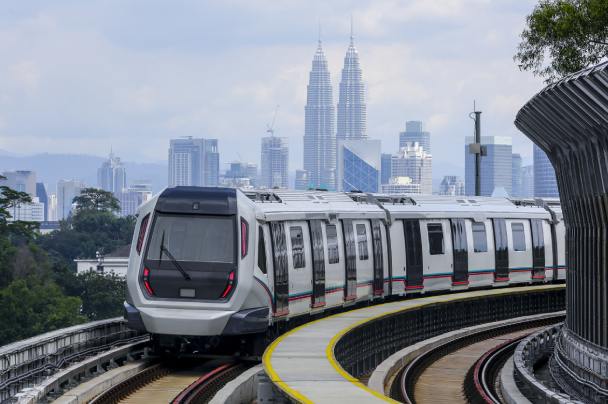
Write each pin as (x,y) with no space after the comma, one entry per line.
(467,366)
(176,383)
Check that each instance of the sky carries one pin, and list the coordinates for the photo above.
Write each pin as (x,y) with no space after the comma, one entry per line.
(86,76)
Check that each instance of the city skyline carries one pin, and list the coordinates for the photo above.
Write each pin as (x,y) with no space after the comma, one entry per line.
(139,115)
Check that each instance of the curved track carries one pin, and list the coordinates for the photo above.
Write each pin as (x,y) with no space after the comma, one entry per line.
(459,362)
(177,384)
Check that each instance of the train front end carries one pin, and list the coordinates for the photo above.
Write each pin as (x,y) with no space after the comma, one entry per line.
(191,266)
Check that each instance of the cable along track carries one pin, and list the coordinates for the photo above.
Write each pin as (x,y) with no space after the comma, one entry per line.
(456,362)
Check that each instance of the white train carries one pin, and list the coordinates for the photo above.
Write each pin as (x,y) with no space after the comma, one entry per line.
(212,262)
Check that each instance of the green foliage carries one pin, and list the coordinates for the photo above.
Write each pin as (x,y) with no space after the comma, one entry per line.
(102,295)
(94,199)
(32,306)
(564,36)
(39,288)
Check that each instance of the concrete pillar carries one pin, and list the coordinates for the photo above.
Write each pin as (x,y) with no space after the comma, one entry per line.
(569,121)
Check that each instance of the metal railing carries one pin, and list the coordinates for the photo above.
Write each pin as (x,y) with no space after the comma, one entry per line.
(26,363)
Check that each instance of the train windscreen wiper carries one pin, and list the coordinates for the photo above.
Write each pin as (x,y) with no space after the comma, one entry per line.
(172,258)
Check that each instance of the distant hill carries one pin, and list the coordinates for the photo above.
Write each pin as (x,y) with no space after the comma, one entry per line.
(50,168)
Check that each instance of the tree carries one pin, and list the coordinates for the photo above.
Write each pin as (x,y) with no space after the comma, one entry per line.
(32,306)
(96,199)
(102,295)
(563,36)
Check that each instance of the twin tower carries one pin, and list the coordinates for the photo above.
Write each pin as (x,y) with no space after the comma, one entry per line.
(320,133)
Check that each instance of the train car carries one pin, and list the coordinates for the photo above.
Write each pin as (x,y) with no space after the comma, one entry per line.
(211,263)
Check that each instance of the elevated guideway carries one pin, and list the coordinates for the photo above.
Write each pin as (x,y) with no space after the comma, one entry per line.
(326,360)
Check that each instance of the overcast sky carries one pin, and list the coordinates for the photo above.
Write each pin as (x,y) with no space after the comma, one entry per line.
(81,76)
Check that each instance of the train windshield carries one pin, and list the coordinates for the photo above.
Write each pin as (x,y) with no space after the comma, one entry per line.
(193,239)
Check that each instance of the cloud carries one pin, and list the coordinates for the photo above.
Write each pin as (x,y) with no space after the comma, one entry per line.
(81,76)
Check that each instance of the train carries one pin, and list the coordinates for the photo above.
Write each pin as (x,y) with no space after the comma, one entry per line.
(214,264)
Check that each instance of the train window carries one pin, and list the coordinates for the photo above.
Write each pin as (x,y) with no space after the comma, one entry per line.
(519,240)
(332,244)
(261,251)
(362,242)
(297,247)
(480,240)
(435,238)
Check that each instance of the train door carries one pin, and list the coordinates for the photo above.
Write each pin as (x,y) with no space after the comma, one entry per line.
(413,254)
(501,251)
(397,257)
(350,251)
(520,251)
(264,260)
(365,261)
(437,248)
(560,230)
(378,252)
(554,252)
(334,264)
(300,260)
(460,252)
(388,262)
(281,269)
(318,263)
(538,249)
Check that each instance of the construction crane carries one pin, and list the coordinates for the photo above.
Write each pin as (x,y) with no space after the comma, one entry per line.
(270,127)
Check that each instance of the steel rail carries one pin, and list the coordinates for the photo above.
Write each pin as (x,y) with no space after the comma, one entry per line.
(482,376)
(409,375)
(205,387)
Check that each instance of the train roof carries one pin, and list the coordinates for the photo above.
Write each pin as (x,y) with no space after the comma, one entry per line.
(285,205)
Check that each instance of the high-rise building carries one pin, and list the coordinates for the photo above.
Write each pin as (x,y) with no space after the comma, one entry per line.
(415,133)
(385,167)
(352,115)
(131,198)
(112,176)
(527,181)
(194,162)
(414,162)
(67,190)
(516,175)
(451,185)
(20,180)
(496,165)
(274,162)
(319,135)
(302,182)
(240,175)
(52,208)
(400,185)
(359,165)
(43,197)
(25,181)
(545,183)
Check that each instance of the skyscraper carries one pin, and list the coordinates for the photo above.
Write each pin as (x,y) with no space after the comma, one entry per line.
(358,165)
(527,181)
(414,133)
(496,165)
(194,162)
(352,116)
(112,176)
(545,183)
(301,182)
(67,190)
(385,169)
(138,192)
(43,198)
(451,185)
(414,162)
(516,176)
(319,135)
(20,180)
(274,162)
